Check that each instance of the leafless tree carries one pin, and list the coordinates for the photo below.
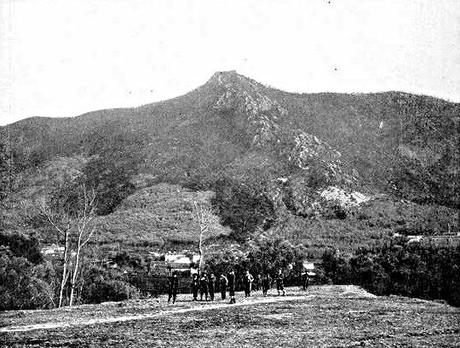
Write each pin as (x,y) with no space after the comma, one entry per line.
(62,224)
(74,227)
(202,218)
(84,233)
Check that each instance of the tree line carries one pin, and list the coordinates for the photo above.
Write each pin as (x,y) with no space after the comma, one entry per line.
(28,281)
(400,268)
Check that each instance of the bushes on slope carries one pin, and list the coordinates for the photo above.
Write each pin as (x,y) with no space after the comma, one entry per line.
(396,267)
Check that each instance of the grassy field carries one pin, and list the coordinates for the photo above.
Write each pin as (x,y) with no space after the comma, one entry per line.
(338,316)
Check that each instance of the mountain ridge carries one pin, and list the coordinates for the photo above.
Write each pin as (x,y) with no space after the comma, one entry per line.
(288,152)
(234,72)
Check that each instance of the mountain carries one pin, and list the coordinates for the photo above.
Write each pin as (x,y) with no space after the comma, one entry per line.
(291,156)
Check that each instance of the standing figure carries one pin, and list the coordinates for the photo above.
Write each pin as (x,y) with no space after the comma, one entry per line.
(266,283)
(223,282)
(212,286)
(231,285)
(195,287)
(173,286)
(280,282)
(305,280)
(247,282)
(204,286)
(257,282)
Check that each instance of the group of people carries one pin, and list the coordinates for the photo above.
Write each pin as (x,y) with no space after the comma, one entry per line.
(263,281)
(204,284)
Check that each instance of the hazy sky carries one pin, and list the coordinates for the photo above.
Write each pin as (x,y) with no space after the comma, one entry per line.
(64,58)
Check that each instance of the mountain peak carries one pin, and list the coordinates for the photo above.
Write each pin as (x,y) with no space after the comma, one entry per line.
(218,75)
(232,78)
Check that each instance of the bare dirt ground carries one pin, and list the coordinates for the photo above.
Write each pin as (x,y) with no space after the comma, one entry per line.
(338,316)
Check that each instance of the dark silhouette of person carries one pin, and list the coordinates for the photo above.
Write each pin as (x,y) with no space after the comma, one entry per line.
(266,283)
(204,286)
(223,282)
(305,280)
(173,286)
(247,283)
(257,282)
(280,282)
(195,287)
(231,285)
(212,286)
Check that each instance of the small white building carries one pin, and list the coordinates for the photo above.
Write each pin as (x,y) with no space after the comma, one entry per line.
(53,250)
(181,258)
(414,238)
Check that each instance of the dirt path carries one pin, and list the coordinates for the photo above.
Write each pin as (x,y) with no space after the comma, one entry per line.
(56,325)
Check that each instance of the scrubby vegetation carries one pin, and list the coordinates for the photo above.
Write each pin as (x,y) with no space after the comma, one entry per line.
(398,267)
(24,285)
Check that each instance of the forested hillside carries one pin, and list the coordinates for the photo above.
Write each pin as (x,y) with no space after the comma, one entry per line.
(305,166)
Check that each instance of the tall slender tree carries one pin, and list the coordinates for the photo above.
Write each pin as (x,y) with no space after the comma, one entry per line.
(202,219)
(71,214)
(84,233)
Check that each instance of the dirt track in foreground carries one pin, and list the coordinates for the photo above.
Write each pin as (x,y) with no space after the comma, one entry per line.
(56,325)
(339,316)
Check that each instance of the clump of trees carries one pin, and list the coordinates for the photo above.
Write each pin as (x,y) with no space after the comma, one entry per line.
(263,255)
(396,267)
(23,246)
(244,207)
(101,285)
(23,284)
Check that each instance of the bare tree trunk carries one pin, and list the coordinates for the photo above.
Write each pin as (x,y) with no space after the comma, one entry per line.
(64,232)
(203,225)
(64,267)
(74,276)
(200,249)
(82,226)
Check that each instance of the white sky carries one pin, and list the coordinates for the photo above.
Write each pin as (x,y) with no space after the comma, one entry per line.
(64,58)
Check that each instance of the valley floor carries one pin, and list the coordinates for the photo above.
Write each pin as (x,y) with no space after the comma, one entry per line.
(339,316)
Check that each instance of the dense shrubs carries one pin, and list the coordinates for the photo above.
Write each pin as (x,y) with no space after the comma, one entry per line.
(20,285)
(22,246)
(108,290)
(396,267)
(103,285)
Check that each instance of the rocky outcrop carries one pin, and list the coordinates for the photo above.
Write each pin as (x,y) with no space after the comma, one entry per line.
(345,198)
(254,112)
(258,116)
